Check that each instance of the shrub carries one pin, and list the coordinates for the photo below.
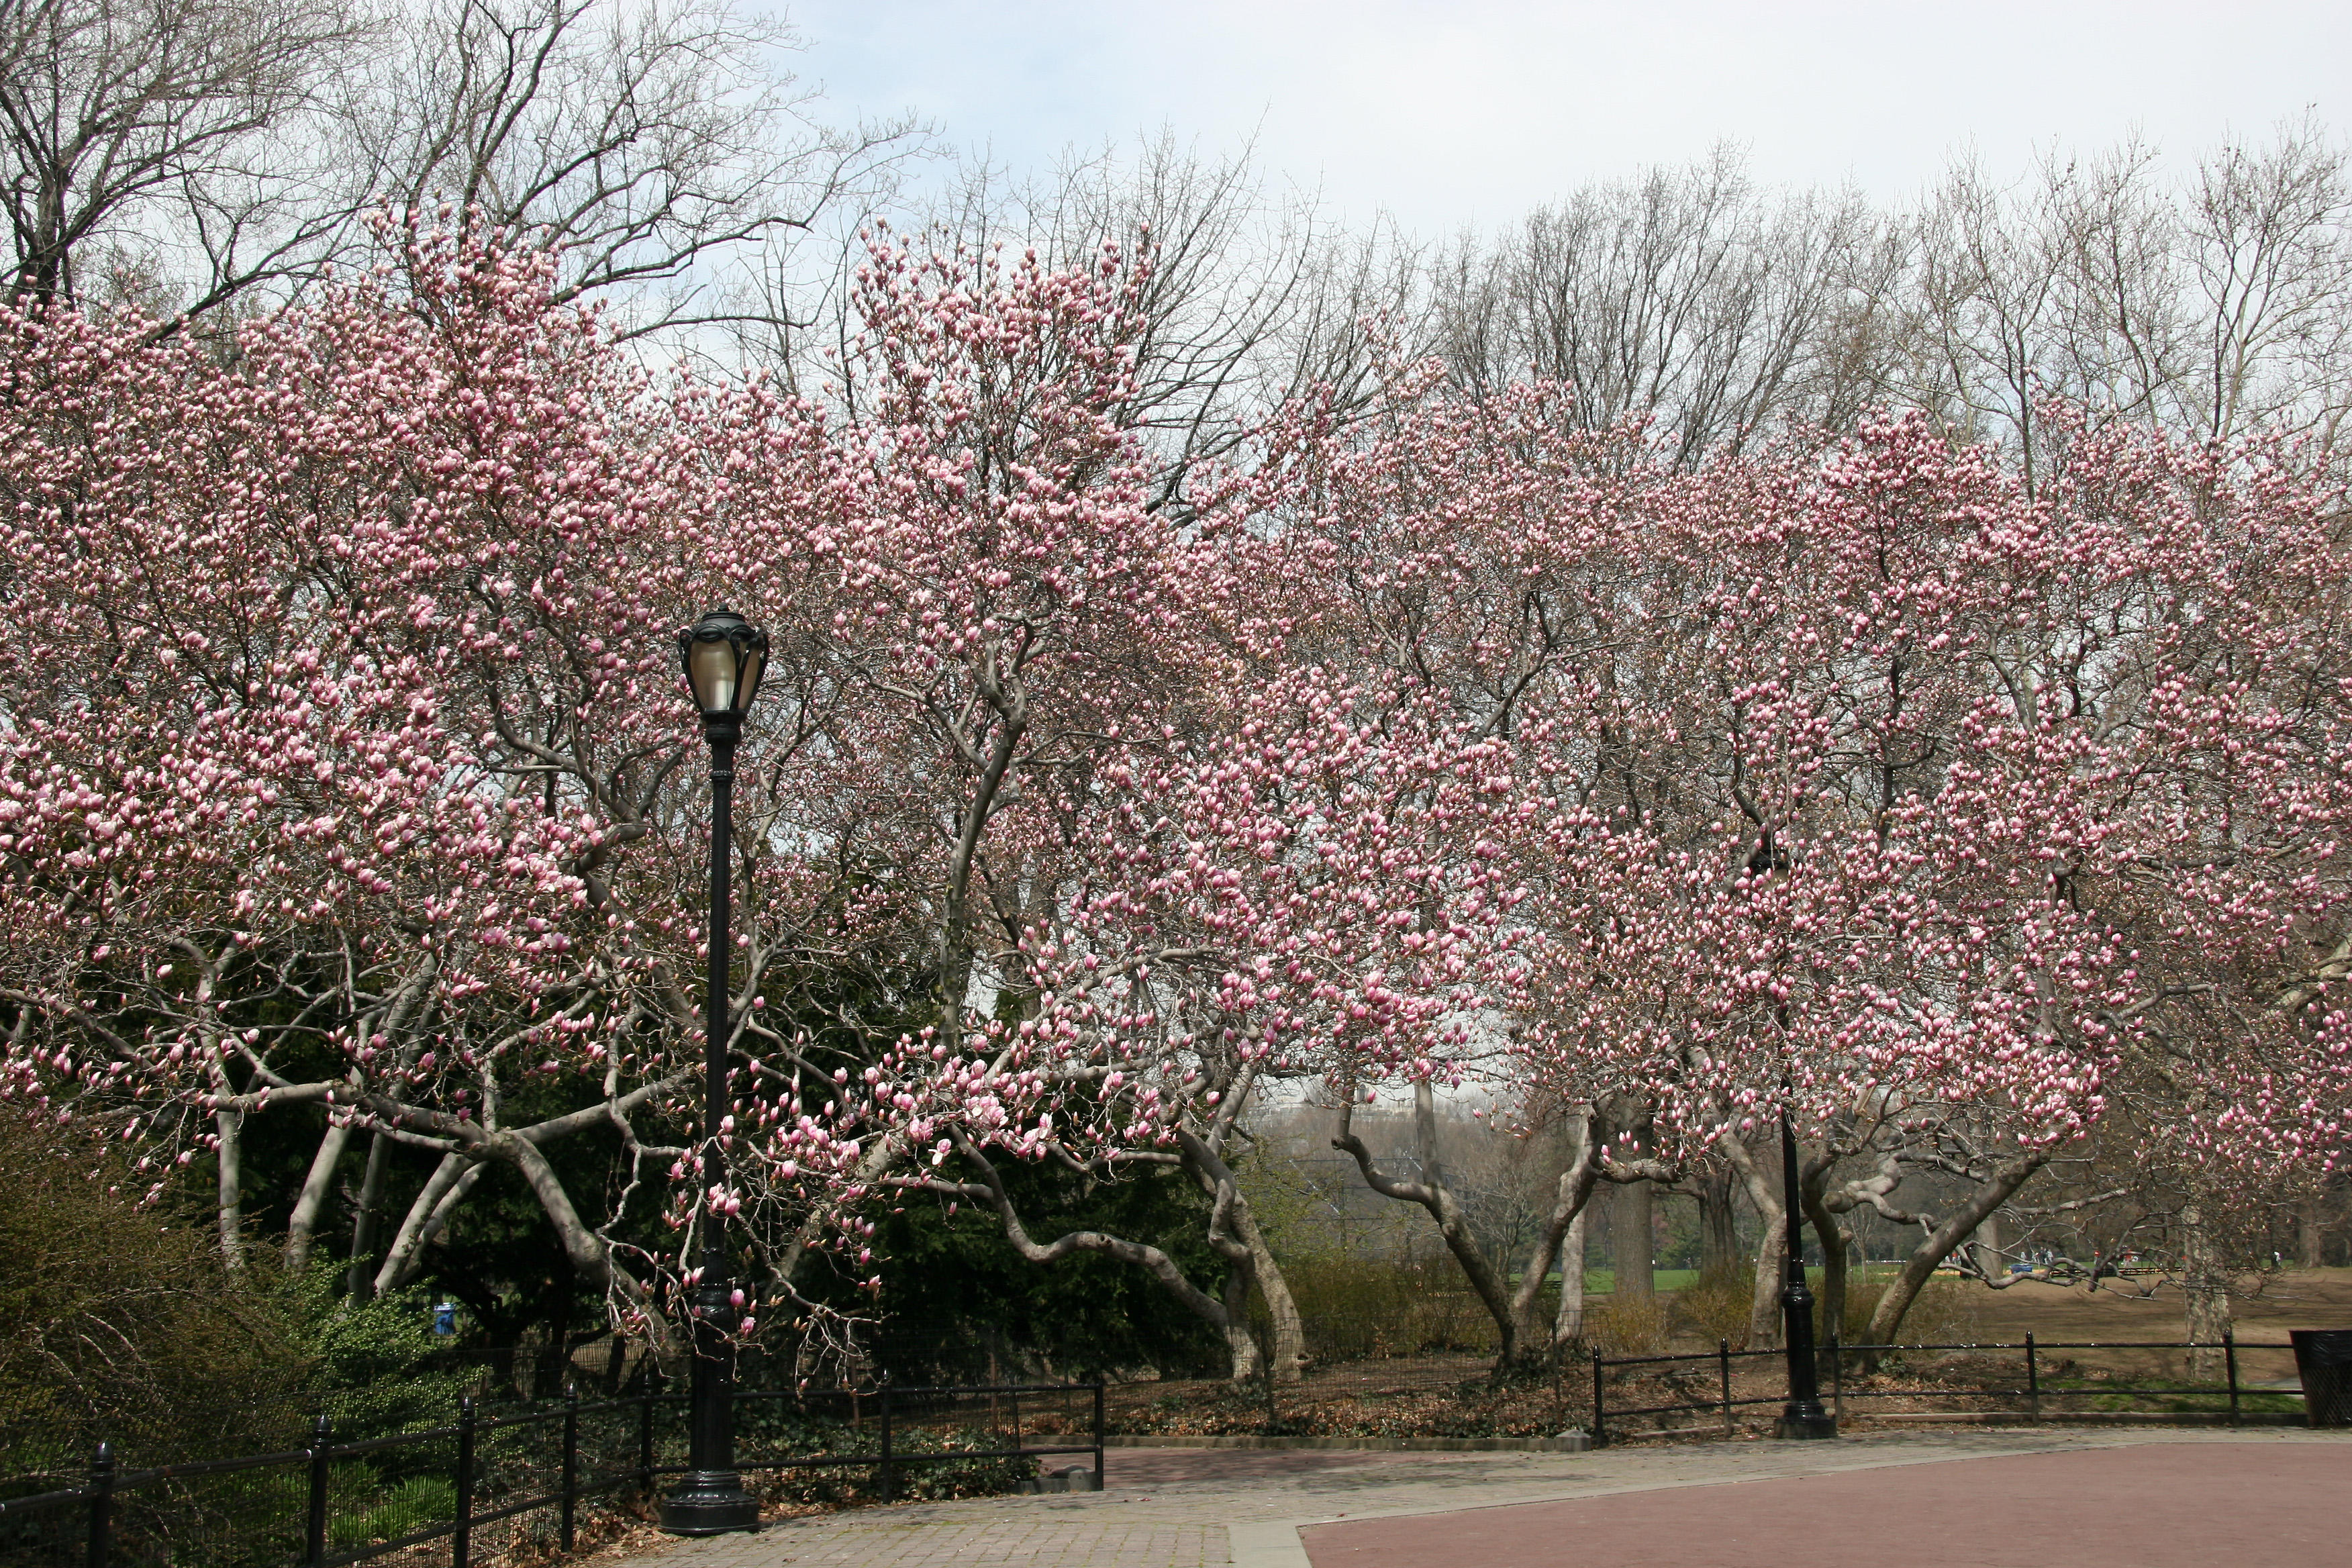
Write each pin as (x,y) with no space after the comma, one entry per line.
(371,1365)
(414,1503)
(123,1325)
(1944,1313)
(1361,1308)
(1632,1326)
(1716,1308)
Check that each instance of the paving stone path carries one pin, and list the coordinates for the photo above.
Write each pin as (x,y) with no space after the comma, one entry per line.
(1276,1508)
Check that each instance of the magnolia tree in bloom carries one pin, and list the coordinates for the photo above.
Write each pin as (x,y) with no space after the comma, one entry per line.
(345,763)
(1956,815)
(1449,557)
(348,766)
(344,759)
(1149,860)
(1949,818)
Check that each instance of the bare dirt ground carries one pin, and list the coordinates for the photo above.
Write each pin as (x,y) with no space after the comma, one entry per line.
(1451,1396)
(2145,1309)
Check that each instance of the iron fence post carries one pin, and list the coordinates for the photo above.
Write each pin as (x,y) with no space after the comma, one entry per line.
(1098,1432)
(571,1458)
(2032,1379)
(315,1533)
(2229,1361)
(1600,1421)
(461,1543)
(645,1441)
(101,1504)
(889,1481)
(1723,1369)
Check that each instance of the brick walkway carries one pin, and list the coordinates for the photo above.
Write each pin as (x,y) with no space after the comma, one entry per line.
(1191,1509)
(2160,1505)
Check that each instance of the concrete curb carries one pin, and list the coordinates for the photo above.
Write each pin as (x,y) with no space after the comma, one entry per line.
(1575,1445)
(2088,1417)
(1267,1546)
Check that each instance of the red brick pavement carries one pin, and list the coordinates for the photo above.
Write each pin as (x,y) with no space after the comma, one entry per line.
(2264,1505)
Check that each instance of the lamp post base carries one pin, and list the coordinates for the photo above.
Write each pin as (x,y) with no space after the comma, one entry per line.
(709,1503)
(1804,1422)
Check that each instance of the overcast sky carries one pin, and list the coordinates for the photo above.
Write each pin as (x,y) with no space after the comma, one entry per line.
(1446,114)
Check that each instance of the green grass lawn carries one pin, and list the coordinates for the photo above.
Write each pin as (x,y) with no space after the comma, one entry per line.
(1603,1281)
(2120,1394)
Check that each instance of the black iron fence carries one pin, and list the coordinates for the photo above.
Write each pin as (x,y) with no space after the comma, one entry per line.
(1056,1410)
(489,1481)
(1720,1383)
(1675,1374)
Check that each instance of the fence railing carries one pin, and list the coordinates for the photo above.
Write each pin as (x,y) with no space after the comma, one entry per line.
(332,1503)
(893,1406)
(1721,1359)
(1837,1362)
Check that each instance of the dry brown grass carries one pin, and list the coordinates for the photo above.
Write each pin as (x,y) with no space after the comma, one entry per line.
(1714,1310)
(1630,1327)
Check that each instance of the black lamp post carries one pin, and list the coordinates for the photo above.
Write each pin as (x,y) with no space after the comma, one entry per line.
(1802,1417)
(724,654)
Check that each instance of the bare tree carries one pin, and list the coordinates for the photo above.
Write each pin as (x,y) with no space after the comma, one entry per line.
(1685,295)
(2214,306)
(641,140)
(206,149)
(1251,296)
(2272,268)
(133,130)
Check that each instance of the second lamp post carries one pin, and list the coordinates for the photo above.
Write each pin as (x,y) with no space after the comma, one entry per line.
(724,654)
(1802,1417)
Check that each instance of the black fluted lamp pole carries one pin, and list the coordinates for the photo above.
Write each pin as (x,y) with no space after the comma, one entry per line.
(724,654)
(1802,1417)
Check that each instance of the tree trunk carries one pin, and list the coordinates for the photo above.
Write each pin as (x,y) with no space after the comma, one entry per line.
(447,1186)
(303,1230)
(2310,1234)
(1985,1248)
(1561,1227)
(1513,1309)
(1887,1317)
(1234,1231)
(1281,1307)
(1632,1231)
(1718,1230)
(1241,1344)
(1832,1296)
(1433,1195)
(1771,1272)
(1567,1324)
(358,1280)
(1229,1315)
(229,1126)
(1771,1248)
(1454,1224)
(2206,1285)
(1633,1228)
